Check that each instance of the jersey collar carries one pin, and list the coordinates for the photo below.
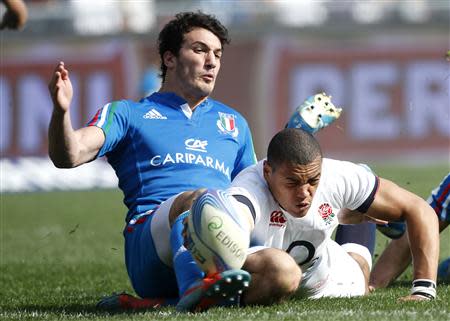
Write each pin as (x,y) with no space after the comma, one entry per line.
(173,100)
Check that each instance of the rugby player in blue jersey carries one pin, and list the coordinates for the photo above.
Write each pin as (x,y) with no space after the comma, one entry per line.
(397,255)
(175,140)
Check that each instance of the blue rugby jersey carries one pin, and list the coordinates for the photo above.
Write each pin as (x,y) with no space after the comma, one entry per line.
(158,148)
(439,199)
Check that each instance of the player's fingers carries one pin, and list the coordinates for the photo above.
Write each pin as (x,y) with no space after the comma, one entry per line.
(60,67)
(368,218)
(412,298)
(63,70)
(55,84)
(64,73)
(55,78)
(52,82)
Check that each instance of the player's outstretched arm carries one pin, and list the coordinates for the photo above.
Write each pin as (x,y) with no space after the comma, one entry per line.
(68,147)
(395,203)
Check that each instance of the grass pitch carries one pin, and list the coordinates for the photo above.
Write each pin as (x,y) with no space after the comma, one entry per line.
(62,251)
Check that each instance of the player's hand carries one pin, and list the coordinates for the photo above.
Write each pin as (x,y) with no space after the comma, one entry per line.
(412,297)
(60,88)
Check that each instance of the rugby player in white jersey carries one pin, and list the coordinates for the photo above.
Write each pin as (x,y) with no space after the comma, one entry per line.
(298,198)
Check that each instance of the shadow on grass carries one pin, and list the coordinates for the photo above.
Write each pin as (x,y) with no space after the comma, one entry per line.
(400,284)
(73,309)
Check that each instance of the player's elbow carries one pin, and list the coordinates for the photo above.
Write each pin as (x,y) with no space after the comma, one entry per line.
(421,210)
(61,162)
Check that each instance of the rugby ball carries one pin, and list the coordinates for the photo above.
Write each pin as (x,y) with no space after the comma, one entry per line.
(217,233)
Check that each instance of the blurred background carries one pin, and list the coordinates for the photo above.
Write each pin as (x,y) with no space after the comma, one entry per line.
(383,62)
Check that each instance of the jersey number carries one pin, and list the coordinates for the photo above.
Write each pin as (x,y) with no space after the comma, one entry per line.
(297,246)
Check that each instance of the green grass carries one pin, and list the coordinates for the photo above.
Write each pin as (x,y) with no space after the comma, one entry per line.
(61,252)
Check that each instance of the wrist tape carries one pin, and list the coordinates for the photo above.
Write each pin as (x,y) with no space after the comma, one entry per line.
(425,288)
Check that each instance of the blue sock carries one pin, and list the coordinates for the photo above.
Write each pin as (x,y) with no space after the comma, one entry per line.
(363,234)
(186,269)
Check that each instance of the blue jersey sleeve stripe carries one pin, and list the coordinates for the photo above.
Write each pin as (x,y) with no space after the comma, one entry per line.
(110,117)
(103,114)
(99,119)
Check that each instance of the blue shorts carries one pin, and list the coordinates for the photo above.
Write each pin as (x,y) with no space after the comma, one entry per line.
(150,277)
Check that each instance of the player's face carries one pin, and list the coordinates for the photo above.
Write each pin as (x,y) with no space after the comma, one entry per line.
(198,63)
(293,186)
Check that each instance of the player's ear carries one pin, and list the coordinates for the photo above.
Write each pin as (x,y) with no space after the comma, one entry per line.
(169,59)
(267,170)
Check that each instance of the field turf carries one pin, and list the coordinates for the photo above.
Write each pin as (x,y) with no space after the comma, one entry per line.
(62,251)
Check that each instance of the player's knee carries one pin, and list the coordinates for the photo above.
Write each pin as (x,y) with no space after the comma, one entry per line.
(288,276)
(183,203)
(283,273)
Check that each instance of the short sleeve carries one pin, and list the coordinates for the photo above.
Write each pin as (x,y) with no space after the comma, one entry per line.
(243,196)
(360,186)
(113,119)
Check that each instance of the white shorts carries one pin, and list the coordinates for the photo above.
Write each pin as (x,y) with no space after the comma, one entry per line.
(160,231)
(335,274)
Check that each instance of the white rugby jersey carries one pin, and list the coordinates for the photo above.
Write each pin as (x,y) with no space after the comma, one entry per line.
(342,185)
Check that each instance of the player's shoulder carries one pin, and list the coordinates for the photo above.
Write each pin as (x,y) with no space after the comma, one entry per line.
(251,172)
(223,108)
(331,165)
(251,178)
(147,107)
(333,169)
(122,104)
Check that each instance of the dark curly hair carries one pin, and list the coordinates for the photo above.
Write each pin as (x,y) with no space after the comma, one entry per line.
(172,35)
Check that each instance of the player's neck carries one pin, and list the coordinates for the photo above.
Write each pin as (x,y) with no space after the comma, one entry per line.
(193,101)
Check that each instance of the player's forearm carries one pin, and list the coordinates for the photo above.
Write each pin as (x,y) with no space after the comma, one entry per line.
(423,235)
(62,141)
(392,262)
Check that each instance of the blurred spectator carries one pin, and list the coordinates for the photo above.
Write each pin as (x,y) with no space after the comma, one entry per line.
(16,14)
(96,17)
(107,17)
(139,16)
(293,13)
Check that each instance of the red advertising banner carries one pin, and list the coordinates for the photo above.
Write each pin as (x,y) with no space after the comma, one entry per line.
(26,104)
(395,100)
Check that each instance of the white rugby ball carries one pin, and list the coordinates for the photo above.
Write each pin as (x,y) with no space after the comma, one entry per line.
(218,234)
